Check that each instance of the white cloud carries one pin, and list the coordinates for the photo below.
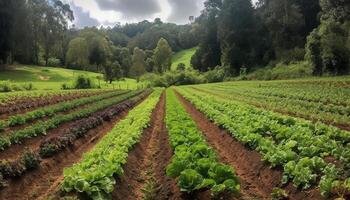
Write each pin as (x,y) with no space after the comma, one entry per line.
(107,12)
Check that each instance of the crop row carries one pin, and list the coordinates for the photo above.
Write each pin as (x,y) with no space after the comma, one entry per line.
(297,145)
(52,110)
(41,127)
(30,160)
(17,97)
(95,174)
(82,127)
(30,103)
(339,114)
(312,91)
(194,164)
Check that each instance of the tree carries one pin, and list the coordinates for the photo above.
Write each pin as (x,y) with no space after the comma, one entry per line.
(123,57)
(53,23)
(327,47)
(138,67)
(150,65)
(99,51)
(78,53)
(236,33)
(113,71)
(7,27)
(181,67)
(285,22)
(162,56)
(208,54)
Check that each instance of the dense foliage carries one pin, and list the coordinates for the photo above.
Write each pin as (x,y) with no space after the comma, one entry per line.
(239,36)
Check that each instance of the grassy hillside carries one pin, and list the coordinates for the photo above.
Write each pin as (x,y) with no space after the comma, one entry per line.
(183,57)
(53,78)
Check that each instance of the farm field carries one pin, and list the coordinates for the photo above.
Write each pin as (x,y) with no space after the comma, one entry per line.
(175,100)
(231,140)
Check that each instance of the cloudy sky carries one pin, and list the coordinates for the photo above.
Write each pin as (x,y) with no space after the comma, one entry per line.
(109,12)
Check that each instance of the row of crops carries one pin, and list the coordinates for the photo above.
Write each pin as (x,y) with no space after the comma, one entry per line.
(81,110)
(41,127)
(194,165)
(300,147)
(95,174)
(310,155)
(327,101)
(11,98)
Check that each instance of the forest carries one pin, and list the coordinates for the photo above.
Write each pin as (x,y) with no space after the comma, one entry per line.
(233,38)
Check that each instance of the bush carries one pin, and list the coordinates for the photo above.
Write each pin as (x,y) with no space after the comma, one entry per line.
(170,78)
(290,55)
(215,75)
(8,86)
(54,62)
(65,86)
(83,82)
(283,71)
(30,160)
(181,67)
(5,86)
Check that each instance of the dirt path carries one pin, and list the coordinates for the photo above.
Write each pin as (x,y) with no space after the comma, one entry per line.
(144,172)
(257,178)
(41,182)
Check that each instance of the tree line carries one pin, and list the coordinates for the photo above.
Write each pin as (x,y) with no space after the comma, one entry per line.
(233,37)
(236,35)
(38,32)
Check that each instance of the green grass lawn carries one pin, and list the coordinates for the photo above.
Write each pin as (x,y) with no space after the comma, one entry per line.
(48,78)
(183,57)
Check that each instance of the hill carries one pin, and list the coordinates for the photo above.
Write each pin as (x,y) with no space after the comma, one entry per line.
(183,56)
(54,77)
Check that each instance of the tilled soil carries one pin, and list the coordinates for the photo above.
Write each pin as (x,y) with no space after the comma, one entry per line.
(257,178)
(10,130)
(144,173)
(26,105)
(16,150)
(40,183)
(345,127)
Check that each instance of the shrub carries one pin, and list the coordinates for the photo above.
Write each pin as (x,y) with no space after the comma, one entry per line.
(170,78)
(283,71)
(181,67)
(54,62)
(215,75)
(8,86)
(83,82)
(5,86)
(30,160)
(65,86)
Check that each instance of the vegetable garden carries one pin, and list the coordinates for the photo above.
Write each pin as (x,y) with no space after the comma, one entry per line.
(234,140)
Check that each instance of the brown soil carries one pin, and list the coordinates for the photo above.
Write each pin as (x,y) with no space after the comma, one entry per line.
(283,112)
(16,150)
(42,182)
(10,130)
(147,162)
(29,104)
(257,178)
